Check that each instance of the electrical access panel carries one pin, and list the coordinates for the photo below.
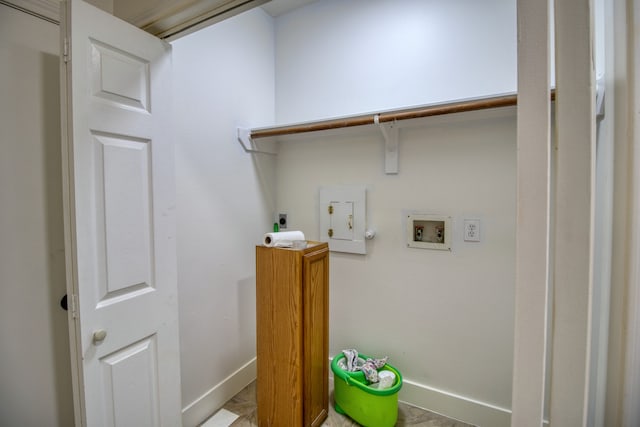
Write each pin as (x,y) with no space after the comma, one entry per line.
(343,219)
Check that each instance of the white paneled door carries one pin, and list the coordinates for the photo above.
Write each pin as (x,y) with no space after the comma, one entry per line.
(119,220)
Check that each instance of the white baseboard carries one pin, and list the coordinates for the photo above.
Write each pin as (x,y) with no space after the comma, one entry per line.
(442,402)
(454,406)
(206,405)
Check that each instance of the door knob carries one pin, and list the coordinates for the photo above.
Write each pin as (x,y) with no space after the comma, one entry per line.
(99,336)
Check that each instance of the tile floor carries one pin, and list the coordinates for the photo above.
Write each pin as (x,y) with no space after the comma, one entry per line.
(240,411)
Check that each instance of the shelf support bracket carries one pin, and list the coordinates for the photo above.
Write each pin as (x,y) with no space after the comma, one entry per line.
(248,144)
(600,98)
(390,132)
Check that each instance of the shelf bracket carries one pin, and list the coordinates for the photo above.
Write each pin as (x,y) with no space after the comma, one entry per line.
(248,144)
(390,131)
(600,98)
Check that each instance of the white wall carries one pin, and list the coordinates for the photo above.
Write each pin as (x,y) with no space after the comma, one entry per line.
(444,318)
(223,78)
(452,331)
(35,378)
(338,57)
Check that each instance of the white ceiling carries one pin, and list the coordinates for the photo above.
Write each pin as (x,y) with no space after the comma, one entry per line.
(280,7)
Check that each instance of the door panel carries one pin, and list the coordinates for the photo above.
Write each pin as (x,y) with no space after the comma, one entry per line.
(119,77)
(120,225)
(316,337)
(128,372)
(124,185)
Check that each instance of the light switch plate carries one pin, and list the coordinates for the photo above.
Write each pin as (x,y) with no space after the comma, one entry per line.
(282,221)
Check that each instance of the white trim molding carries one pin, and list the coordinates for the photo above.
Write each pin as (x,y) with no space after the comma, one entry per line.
(49,10)
(454,406)
(533,215)
(206,405)
(573,212)
(630,407)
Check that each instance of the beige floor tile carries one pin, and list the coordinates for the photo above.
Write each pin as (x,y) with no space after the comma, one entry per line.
(244,405)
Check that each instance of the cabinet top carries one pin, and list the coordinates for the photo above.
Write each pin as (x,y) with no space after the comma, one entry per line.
(311,245)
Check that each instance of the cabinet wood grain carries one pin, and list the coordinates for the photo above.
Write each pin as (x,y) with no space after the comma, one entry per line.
(292,315)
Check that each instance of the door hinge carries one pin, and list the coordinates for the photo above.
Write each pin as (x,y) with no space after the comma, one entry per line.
(65,50)
(330,209)
(74,306)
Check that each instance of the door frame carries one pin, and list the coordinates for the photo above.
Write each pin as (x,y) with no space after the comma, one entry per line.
(69,220)
(630,374)
(555,280)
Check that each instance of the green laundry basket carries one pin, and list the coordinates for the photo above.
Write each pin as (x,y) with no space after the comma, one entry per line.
(366,405)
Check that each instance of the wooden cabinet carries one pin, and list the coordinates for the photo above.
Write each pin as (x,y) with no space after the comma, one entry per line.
(292,312)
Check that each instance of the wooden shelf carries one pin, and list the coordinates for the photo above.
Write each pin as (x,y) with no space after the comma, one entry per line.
(392,116)
(387,121)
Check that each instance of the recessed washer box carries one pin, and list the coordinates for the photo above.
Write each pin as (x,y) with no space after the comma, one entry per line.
(429,232)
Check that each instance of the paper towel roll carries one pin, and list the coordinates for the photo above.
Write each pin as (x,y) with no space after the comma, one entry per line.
(283,239)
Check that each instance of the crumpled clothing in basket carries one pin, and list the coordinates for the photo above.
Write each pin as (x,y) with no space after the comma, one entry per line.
(369,367)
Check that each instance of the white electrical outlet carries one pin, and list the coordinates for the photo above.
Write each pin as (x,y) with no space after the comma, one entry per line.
(471,230)
(282,221)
